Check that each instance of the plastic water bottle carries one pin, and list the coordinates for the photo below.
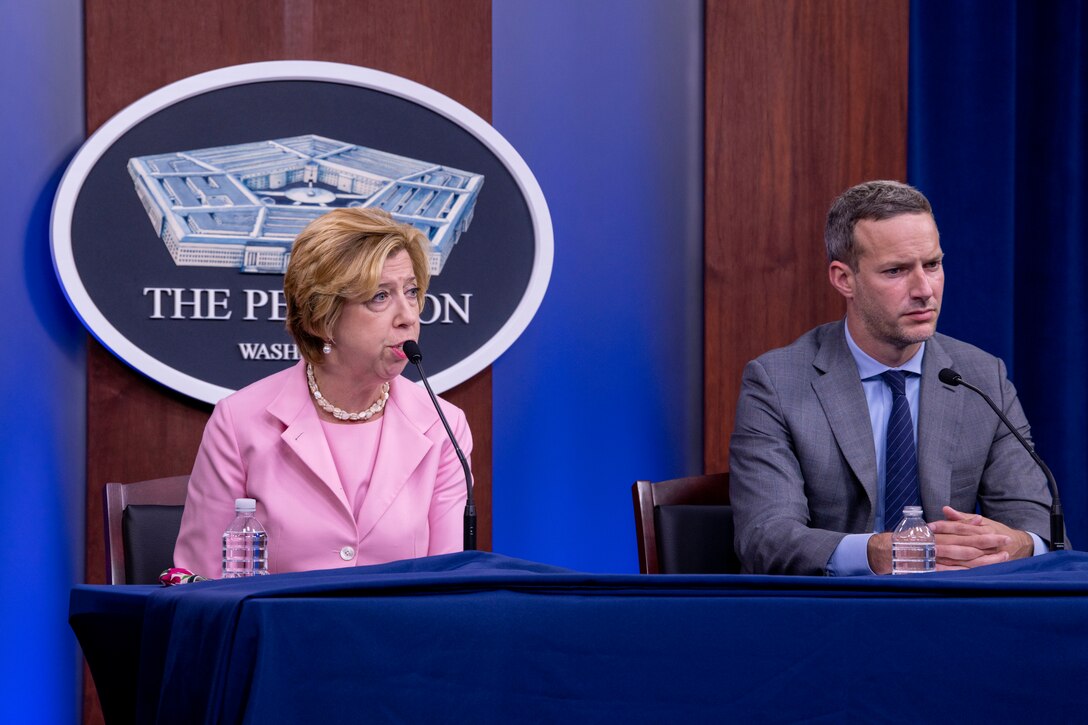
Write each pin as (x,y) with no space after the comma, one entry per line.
(245,543)
(914,547)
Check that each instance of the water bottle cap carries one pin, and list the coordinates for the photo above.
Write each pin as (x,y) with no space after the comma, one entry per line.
(907,510)
(245,505)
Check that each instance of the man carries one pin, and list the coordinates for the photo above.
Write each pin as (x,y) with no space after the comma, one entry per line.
(815,486)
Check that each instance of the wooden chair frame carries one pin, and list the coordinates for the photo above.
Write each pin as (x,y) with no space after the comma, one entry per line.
(708,489)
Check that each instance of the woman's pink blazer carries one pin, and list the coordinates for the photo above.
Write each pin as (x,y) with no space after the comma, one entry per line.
(265,442)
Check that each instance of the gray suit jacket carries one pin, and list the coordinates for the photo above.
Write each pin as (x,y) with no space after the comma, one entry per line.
(803,464)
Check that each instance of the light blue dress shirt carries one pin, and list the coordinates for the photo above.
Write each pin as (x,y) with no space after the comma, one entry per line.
(851,557)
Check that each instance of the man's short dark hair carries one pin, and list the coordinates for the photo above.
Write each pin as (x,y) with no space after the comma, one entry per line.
(872,200)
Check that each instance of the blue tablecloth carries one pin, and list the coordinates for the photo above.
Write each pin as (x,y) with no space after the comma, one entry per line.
(485,638)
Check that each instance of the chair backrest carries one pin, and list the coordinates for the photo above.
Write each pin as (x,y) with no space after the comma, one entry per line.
(685,526)
(142,524)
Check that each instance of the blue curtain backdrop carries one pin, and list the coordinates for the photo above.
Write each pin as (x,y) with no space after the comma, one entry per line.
(998,115)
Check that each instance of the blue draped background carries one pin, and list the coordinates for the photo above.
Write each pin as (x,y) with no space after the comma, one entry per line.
(998,115)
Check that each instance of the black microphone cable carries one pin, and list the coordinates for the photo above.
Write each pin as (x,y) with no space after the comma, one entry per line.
(948,376)
(415,356)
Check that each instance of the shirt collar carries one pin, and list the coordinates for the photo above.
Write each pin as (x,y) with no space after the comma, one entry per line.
(870,368)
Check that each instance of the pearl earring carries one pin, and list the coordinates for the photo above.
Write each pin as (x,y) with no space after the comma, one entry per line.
(326,348)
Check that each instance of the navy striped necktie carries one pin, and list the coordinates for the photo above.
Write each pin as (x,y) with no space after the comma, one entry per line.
(900,456)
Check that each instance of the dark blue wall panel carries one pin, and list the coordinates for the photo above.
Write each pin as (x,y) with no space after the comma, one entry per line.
(43,406)
(604,102)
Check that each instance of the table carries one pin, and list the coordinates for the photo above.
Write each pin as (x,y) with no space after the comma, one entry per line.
(481,637)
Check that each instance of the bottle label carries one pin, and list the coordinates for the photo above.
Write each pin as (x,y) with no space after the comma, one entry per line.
(913,557)
(245,553)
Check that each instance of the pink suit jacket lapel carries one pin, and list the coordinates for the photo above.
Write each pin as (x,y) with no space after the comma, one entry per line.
(303,434)
(403,443)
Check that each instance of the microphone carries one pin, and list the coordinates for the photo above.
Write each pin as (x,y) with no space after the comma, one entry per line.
(948,376)
(415,356)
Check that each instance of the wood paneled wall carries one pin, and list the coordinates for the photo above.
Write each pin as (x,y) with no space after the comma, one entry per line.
(804,98)
(137,429)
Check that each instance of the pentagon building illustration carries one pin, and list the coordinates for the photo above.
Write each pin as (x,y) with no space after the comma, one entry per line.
(242,206)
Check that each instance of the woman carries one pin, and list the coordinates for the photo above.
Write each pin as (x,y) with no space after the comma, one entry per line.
(348,461)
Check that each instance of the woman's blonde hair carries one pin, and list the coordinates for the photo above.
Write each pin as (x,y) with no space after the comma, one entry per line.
(337,258)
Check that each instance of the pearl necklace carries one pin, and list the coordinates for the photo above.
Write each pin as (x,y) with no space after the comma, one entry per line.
(338,413)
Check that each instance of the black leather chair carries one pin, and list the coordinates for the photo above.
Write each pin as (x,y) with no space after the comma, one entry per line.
(685,526)
(142,524)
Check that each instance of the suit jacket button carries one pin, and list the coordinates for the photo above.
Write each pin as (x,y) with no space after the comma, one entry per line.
(347,553)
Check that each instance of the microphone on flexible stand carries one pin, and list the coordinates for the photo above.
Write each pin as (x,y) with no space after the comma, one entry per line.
(948,376)
(415,356)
